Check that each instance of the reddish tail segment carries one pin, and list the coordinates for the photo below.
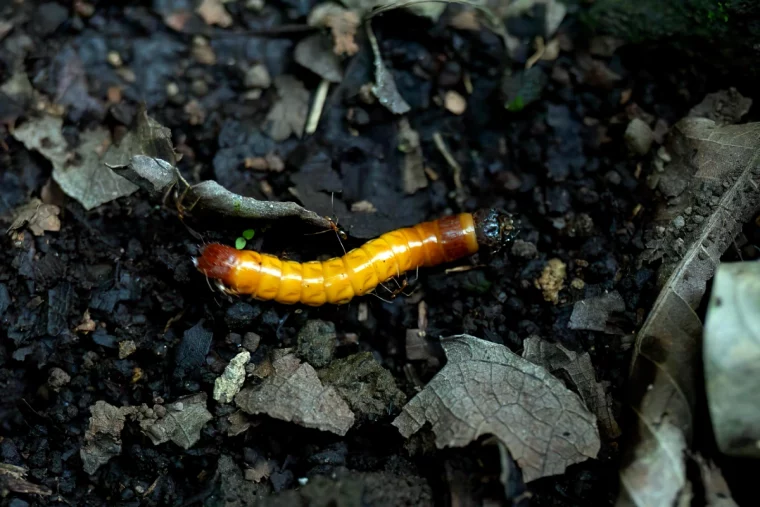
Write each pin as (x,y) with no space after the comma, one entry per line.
(338,280)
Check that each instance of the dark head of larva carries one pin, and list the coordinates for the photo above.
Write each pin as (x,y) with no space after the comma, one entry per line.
(494,228)
(216,261)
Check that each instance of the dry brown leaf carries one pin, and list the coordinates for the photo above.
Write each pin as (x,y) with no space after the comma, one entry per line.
(487,389)
(39,217)
(343,24)
(214,13)
(294,393)
(712,189)
(554,357)
(13,478)
(288,115)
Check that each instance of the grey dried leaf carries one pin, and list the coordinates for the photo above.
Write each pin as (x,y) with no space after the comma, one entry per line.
(486,389)
(145,155)
(103,436)
(181,421)
(288,114)
(83,176)
(732,358)
(385,86)
(13,478)
(316,54)
(720,169)
(555,357)
(294,393)
(594,314)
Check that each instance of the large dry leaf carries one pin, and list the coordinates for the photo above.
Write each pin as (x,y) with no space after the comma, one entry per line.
(732,358)
(555,357)
(712,189)
(487,389)
(294,393)
(82,175)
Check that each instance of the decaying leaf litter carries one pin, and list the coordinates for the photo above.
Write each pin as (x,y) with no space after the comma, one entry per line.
(141,331)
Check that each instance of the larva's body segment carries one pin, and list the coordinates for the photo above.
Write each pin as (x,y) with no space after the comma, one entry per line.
(358,272)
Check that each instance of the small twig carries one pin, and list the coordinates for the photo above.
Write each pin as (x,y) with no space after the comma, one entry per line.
(316,109)
(455,167)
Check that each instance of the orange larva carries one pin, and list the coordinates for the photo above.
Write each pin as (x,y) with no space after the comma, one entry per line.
(360,271)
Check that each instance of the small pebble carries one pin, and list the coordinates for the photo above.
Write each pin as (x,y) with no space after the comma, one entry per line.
(454,102)
(639,137)
(114,59)
(257,77)
(126,348)
(57,378)
(679,222)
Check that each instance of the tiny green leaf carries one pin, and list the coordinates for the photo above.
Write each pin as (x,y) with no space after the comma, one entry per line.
(240,243)
(248,234)
(516,105)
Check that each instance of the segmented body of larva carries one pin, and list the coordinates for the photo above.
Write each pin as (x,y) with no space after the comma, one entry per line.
(360,271)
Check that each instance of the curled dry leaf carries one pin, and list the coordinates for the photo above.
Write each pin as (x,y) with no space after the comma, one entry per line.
(39,217)
(711,186)
(554,357)
(487,389)
(732,358)
(81,175)
(294,393)
(385,86)
(147,158)
(288,114)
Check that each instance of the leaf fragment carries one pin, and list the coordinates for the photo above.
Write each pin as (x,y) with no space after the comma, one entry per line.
(315,53)
(555,357)
(181,421)
(294,393)
(288,115)
(13,478)
(385,86)
(487,389)
(82,175)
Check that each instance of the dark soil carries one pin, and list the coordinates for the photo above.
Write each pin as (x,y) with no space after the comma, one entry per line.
(560,165)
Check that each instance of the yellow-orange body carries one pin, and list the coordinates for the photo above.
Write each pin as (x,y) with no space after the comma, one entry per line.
(338,280)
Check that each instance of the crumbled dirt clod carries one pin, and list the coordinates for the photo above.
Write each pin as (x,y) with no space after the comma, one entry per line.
(552,280)
(368,388)
(57,378)
(127,348)
(316,343)
(229,384)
